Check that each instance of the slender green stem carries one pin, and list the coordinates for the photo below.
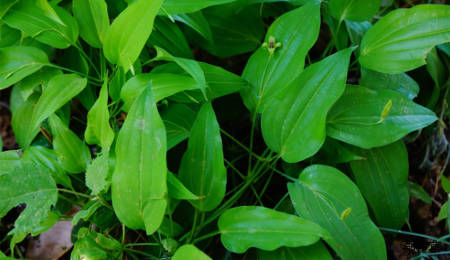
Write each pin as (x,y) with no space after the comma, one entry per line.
(141,253)
(96,81)
(234,169)
(413,234)
(232,138)
(281,201)
(212,234)
(141,244)
(250,150)
(76,193)
(80,49)
(194,225)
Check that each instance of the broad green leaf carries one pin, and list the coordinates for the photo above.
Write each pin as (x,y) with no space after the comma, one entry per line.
(92,17)
(60,90)
(235,30)
(176,189)
(116,84)
(202,168)
(356,30)
(139,183)
(288,41)
(189,6)
(333,151)
(190,66)
(47,158)
(356,117)
(18,62)
(197,22)
(32,185)
(293,123)
(39,78)
(170,228)
(98,130)
(220,82)
(436,68)
(98,178)
(72,153)
(416,191)
(354,10)
(38,22)
(399,82)
(86,212)
(321,195)
(21,120)
(162,84)
(93,245)
(383,181)
(128,33)
(400,41)
(445,182)
(190,252)
(178,120)
(315,252)
(9,160)
(8,36)
(251,226)
(166,33)
(5,5)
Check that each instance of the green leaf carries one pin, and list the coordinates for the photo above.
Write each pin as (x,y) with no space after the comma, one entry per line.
(355,118)
(266,70)
(333,151)
(235,30)
(356,30)
(382,179)
(293,123)
(5,5)
(98,178)
(315,252)
(189,6)
(59,90)
(321,195)
(436,68)
(162,84)
(220,82)
(72,153)
(416,191)
(128,33)
(47,158)
(190,66)
(8,36)
(17,62)
(32,185)
(9,160)
(39,78)
(197,22)
(93,245)
(400,41)
(443,212)
(39,22)
(177,190)
(98,130)
(170,228)
(92,17)
(139,180)
(166,33)
(354,10)
(178,120)
(445,182)
(202,168)
(251,226)
(399,82)
(190,252)
(86,212)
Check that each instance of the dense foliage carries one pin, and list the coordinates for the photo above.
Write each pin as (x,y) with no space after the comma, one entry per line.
(278,125)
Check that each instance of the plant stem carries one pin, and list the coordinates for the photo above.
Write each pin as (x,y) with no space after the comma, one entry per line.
(212,234)
(141,244)
(76,193)
(413,234)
